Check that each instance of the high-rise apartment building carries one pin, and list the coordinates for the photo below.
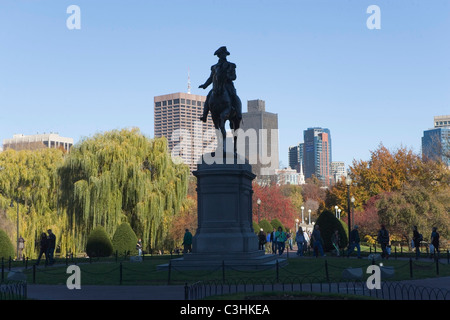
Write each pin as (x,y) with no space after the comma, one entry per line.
(436,141)
(177,117)
(317,154)
(37,141)
(262,152)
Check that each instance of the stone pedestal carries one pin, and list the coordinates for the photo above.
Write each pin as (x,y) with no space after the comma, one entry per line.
(225,231)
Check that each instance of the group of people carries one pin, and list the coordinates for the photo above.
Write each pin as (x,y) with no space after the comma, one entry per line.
(47,244)
(383,239)
(277,238)
(433,245)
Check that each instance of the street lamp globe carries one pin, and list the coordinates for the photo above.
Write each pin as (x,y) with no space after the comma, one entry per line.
(258,201)
(348,181)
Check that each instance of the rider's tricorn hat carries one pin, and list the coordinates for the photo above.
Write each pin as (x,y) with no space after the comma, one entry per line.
(222,50)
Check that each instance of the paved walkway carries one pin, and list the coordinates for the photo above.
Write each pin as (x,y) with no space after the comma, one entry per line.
(60,292)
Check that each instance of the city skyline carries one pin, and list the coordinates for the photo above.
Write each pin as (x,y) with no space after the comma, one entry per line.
(316,64)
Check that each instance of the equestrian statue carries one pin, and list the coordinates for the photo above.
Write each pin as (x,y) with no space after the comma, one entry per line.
(222,100)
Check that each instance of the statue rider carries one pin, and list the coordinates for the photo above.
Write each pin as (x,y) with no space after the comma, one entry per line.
(222,76)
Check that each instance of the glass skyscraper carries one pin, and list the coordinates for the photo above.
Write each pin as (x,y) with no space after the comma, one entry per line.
(317,154)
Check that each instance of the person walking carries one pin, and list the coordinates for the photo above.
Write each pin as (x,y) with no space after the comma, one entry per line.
(316,239)
(187,241)
(21,247)
(289,239)
(281,238)
(274,241)
(354,242)
(335,240)
(434,240)
(51,246)
(43,245)
(417,238)
(300,239)
(139,247)
(383,240)
(262,238)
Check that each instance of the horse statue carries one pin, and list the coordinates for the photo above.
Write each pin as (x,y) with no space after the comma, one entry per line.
(222,101)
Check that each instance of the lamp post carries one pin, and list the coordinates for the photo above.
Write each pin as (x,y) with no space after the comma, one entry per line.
(303,220)
(339,214)
(348,182)
(353,209)
(17,225)
(336,208)
(309,211)
(259,203)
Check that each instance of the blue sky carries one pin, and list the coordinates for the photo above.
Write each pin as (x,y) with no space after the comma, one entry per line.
(315,63)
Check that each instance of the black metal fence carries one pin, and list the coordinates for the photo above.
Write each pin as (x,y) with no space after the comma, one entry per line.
(13,291)
(388,290)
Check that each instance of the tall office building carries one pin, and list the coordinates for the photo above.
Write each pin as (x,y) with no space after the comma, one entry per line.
(37,141)
(337,171)
(317,154)
(176,117)
(442,121)
(294,162)
(296,157)
(436,141)
(262,152)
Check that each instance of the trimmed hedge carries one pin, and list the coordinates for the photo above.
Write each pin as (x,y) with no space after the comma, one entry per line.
(124,240)
(266,226)
(277,223)
(328,224)
(256,227)
(6,246)
(98,243)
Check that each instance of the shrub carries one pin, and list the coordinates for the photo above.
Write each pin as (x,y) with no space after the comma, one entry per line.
(6,246)
(124,240)
(328,224)
(98,243)
(256,227)
(277,223)
(266,226)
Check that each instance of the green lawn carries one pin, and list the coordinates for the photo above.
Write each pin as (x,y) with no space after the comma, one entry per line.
(305,270)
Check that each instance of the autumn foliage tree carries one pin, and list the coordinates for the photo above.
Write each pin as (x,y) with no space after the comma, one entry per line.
(399,189)
(274,205)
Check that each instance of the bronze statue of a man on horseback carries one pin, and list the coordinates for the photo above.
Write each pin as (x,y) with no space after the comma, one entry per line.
(222,101)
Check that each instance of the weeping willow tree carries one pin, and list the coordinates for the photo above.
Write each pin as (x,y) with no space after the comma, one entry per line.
(29,186)
(121,176)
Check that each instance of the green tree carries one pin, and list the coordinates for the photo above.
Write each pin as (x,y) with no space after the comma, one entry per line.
(122,176)
(6,246)
(28,182)
(413,206)
(98,243)
(124,240)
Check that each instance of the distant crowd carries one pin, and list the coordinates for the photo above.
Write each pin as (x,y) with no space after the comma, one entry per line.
(278,238)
